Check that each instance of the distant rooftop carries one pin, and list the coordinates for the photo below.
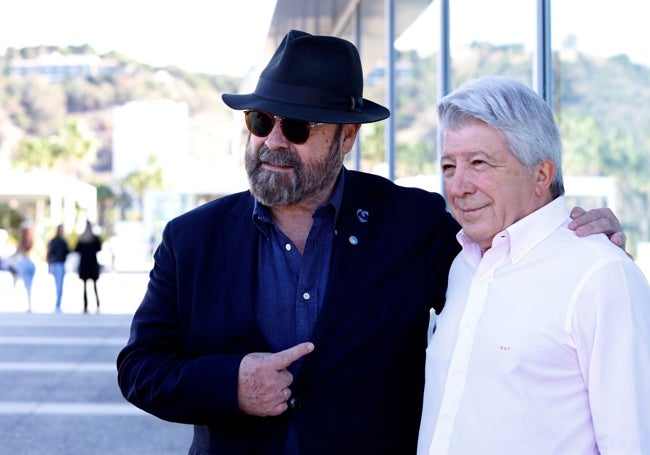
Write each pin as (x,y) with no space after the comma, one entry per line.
(56,67)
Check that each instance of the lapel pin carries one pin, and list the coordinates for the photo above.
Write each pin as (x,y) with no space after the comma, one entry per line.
(363,215)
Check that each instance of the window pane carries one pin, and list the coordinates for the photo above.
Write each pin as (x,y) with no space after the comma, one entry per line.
(602,90)
(491,37)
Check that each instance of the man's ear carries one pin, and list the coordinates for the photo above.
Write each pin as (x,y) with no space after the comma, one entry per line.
(544,173)
(349,135)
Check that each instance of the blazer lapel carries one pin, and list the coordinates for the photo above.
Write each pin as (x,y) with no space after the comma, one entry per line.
(241,238)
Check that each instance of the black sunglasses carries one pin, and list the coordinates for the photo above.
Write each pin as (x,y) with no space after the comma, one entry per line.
(261,124)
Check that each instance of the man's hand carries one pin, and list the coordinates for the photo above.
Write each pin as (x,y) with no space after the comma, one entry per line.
(264,380)
(597,221)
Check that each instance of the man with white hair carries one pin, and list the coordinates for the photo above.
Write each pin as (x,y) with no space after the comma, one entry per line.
(543,346)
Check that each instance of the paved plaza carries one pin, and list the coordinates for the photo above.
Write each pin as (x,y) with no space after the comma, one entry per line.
(58,388)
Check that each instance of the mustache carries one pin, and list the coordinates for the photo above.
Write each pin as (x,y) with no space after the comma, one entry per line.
(279,157)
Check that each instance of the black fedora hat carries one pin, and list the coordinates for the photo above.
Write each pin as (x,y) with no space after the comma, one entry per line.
(314,78)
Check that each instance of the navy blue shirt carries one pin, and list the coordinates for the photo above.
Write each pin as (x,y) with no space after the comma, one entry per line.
(290,286)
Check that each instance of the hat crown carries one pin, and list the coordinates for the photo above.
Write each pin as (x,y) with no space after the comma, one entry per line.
(315,78)
(337,68)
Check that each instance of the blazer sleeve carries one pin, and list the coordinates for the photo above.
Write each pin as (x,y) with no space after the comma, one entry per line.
(176,365)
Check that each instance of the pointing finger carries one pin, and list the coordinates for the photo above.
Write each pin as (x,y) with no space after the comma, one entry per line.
(283,359)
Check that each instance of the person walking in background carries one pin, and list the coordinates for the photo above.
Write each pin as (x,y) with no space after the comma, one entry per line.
(57,252)
(6,250)
(88,245)
(22,265)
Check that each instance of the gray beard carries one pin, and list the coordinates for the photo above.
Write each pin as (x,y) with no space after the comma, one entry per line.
(306,183)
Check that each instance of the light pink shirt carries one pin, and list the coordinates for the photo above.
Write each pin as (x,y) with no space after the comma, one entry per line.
(543,347)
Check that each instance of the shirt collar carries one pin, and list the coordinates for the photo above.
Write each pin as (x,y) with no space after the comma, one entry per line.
(525,234)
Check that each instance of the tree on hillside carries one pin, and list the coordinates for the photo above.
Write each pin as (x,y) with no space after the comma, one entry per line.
(134,185)
(629,162)
(33,154)
(583,144)
(587,150)
(73,146)
(68,150)
(106,200)
(44,104)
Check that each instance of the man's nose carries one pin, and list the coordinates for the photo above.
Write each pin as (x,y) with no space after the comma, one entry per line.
(276,140)
(458,184)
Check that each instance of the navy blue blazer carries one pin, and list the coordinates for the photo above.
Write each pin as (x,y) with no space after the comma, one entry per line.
(360,390)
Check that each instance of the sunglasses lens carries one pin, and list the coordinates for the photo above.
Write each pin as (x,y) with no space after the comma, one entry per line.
(297,131)
(259,123)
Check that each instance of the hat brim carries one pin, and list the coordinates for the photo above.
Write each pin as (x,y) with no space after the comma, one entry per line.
(371,111)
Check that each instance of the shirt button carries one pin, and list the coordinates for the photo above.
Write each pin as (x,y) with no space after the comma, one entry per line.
(294,403)
(306,296)
(287,247)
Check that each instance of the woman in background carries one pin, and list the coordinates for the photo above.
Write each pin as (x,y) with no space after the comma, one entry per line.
(88,245)
(57,252)
(22,265)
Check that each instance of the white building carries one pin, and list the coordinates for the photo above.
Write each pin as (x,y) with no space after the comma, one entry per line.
(54,198)
(154,128)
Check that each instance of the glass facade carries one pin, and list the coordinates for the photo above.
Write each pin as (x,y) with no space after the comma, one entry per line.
(599,85)
(601,73)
